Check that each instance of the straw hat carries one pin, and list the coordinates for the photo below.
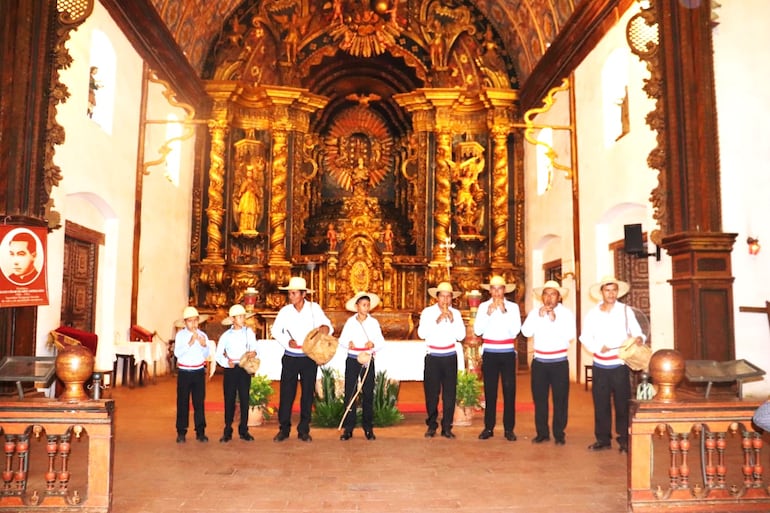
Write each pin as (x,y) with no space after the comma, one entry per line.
(236,310)
(499,281)
(444,286)
(550,284)
(297,283)
(596,288)
(188,312)
(374,300)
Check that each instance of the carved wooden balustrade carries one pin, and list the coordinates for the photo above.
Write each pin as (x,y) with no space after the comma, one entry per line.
(696,456)
(52,449)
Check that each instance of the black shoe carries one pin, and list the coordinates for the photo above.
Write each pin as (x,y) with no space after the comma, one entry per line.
(447,434)
(430,433)
(180,439)
(281,436)
(347,435)
(598,446)
(510,436)
(370,435)
(225,439)
(305,437)
(623,448)
(202,438)
(560,440)
(486,434)
(247,437)
(540,439)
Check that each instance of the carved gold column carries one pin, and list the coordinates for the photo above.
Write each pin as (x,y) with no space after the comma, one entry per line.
(501,107)
(442,195)
(278,199)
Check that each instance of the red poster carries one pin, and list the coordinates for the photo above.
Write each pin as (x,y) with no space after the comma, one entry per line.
(23,266)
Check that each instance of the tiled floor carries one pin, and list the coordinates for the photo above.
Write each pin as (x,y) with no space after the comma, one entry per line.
(399,472)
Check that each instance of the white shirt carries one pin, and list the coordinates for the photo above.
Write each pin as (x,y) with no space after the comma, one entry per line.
(360,333)
(609,329)
(552,338)
(440,337)
(190,357)
(292,324)
(233,344)
(499,327)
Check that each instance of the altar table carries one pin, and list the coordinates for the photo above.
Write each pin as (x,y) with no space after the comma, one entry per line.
(402,360)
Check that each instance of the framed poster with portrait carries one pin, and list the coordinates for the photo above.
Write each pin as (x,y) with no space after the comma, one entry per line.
(23,251)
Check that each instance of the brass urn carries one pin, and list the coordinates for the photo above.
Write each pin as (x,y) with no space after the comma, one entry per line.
(74,366)
(667,371)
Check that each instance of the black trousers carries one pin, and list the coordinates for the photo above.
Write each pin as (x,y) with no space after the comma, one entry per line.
(236,381)
(611,387)
(304,370)
(190,383)
(553,376)
(499,367)
(440,377)
(354,370)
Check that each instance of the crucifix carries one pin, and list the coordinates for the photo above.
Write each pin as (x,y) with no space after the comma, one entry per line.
(448,246)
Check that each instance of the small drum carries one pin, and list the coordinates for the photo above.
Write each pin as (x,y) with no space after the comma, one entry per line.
(319,347)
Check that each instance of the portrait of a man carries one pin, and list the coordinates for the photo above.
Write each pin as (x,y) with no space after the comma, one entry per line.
(20,265)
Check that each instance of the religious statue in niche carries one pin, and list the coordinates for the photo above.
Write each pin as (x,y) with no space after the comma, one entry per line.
(331,237)
(358,150)
(387,237)
(441,27)
(248,201)
(469,194)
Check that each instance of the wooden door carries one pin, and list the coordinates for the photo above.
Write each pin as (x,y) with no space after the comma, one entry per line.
(81,260)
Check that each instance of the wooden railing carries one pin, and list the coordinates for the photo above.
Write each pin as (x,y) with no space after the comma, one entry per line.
(696,456)
(42,439)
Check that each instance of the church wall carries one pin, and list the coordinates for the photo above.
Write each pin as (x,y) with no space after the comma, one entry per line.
(741,78)
(616,182)
(166,225)
(614,188)
(97,191)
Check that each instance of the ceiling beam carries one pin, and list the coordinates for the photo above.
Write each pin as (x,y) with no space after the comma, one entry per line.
(582,32)
(148,34)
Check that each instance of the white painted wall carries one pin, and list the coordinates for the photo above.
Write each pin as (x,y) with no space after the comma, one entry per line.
(741,77)
(98,192)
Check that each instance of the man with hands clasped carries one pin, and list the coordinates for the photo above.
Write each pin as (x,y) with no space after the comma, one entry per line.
(441,326)
(553,328)
(498,322)
(191,351)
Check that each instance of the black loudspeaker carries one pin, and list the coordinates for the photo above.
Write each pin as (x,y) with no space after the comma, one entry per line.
(633,239)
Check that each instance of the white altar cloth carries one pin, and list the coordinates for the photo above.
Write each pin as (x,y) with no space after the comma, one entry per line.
(403,360)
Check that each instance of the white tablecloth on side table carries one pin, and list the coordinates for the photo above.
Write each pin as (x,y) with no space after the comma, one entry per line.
(144,352)
(403,360)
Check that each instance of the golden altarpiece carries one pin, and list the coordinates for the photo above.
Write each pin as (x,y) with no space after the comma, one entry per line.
(363,146)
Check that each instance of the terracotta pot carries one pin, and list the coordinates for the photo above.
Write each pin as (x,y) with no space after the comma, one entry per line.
(463,416)
(256,416)
(667,371)
(74,366)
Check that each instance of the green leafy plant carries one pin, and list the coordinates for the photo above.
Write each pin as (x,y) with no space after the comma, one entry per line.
(385,398)
(329,403)
(468,389)
(260,392)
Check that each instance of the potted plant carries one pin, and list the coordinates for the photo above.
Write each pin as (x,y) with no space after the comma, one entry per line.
(260,392)
(468,397)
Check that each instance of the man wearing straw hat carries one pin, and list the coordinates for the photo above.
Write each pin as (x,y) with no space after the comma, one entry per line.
(553,328)
(498,322)
(234,343)
(292,324)
(441,326)
(362,337)
(605,328)
(191,351)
